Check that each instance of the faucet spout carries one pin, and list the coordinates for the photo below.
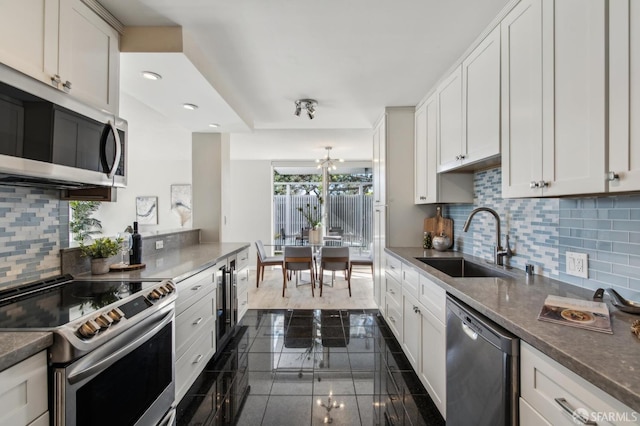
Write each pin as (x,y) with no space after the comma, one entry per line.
(498,254)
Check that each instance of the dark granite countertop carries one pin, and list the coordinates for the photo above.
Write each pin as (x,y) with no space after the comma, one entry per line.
(176,264)
(609,361)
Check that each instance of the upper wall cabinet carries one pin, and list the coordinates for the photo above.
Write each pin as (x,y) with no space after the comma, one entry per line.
(553,98)
(379,162)
(430,186)
(470,108)
(64,44)
(624,95)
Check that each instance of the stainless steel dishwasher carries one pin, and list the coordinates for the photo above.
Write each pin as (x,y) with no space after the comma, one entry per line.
(482,369)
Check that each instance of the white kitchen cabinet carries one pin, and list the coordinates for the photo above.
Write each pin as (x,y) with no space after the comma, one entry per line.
(393,304)
(553,98)
(64,44)
(411,332)
(23,392)
(242,283)
(379,243)
(481,101)
(624,95)
(449,95)
(529,416)
(429,185)
(556,393)
(195,327)
(379,162)
(433,358)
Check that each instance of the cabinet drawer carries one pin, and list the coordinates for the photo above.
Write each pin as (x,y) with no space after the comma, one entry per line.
(529,416)
(393,289)
(433,297)
(190,324)
(394,267)
(544,382)
(243,303)
(195,288)
(410,280)
(193,361)
(394,318)
(242,259)
(23,391)
(242,280)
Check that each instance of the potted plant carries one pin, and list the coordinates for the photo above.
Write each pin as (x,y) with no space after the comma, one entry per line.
(313,215)
(100,250)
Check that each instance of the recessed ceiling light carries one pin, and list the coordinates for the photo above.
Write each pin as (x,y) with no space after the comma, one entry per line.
(190,106)
(149,75)
(214,125)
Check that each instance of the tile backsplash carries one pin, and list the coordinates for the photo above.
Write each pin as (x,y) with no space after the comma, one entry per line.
(542,230)
(33,228)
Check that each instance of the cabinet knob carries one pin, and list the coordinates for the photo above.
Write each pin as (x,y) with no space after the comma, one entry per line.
(457,157)
(533,185)
(543,184)
(55,80)
(422,197)
(612,176)
(463,156)
(67,86)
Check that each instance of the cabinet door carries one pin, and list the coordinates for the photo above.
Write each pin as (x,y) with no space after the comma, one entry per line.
(23,391)
(433,356)
(624,95)
(379,242)
(379,162)
(421,160)
(450,121)
(411,329)
(89,57)
(29,30)
(530,417)
(481,93)
(574,142)
(522,99)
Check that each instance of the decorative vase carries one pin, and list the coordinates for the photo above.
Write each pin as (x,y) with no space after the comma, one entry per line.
(99,266)
(315,235)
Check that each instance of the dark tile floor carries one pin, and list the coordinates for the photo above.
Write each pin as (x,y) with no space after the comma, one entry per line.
(285,367)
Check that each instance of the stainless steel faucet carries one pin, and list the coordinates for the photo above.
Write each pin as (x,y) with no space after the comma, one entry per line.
(499,253)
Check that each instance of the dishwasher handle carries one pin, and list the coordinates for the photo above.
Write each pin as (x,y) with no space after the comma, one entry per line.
(468,331)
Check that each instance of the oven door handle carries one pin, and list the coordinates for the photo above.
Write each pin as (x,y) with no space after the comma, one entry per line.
(105,356)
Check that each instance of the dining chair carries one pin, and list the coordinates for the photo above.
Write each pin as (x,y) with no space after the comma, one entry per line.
(264,260)
(335,259)
(297,259)
(362,259)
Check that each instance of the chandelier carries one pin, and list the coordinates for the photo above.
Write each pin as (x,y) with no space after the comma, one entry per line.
(327,161)
(308,104)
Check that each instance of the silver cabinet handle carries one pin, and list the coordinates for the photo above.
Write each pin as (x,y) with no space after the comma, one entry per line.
(198,321)
(55,80)
(198,359)
(611,176)
(67,86)
(457,157)
(422,197)
(575,415)
(463,156)
(543,184)
(196,288)
(392,319)
(416,309)
(533,185)
(391,291)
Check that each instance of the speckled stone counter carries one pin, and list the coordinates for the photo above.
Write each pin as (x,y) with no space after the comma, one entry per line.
(18,346)
(175,264)
(611,362)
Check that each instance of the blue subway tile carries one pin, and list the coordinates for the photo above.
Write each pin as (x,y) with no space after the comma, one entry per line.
(611,278)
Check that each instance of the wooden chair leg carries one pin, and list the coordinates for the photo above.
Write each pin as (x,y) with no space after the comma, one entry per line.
(313,281)
(349,282)
(284,280)
(258,275)
(262,269)
(321,271)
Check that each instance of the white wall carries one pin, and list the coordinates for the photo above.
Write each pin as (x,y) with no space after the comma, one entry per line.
(251,203)
(159,155)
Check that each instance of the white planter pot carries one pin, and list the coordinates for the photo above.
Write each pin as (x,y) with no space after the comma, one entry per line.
(99,266)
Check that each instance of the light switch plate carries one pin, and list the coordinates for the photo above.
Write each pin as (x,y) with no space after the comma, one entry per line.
(577,264)
(159,244)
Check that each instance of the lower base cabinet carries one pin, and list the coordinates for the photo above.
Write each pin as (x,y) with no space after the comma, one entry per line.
(558,396)
(433,359)
(23,392)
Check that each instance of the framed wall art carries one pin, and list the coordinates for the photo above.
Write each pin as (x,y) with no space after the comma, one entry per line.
(147,210)
(181,202)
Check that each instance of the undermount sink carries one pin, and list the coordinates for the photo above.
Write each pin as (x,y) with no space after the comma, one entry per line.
(457,267)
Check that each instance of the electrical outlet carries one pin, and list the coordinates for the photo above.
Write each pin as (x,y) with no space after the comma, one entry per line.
(577,264)
(159,244)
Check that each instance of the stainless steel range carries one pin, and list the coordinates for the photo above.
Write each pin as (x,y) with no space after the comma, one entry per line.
(113,347)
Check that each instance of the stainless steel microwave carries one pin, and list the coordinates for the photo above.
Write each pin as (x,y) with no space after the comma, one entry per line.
(48,139)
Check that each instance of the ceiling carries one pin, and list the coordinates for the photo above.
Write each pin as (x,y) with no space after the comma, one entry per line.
(354,57)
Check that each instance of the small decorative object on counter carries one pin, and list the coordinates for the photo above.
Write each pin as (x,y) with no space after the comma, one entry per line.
(135,258)
(441,242)
(426,240)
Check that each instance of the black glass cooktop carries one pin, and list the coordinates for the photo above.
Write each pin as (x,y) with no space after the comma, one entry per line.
(54,303)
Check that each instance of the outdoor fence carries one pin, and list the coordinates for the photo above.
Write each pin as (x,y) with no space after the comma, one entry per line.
(353,214)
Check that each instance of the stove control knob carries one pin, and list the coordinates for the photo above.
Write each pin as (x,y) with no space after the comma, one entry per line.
(155,295)
(115,314)
(162,291)
(170,287)
(88,329)
(103,321)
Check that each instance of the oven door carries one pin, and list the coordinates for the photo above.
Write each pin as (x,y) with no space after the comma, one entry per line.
(127,381)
